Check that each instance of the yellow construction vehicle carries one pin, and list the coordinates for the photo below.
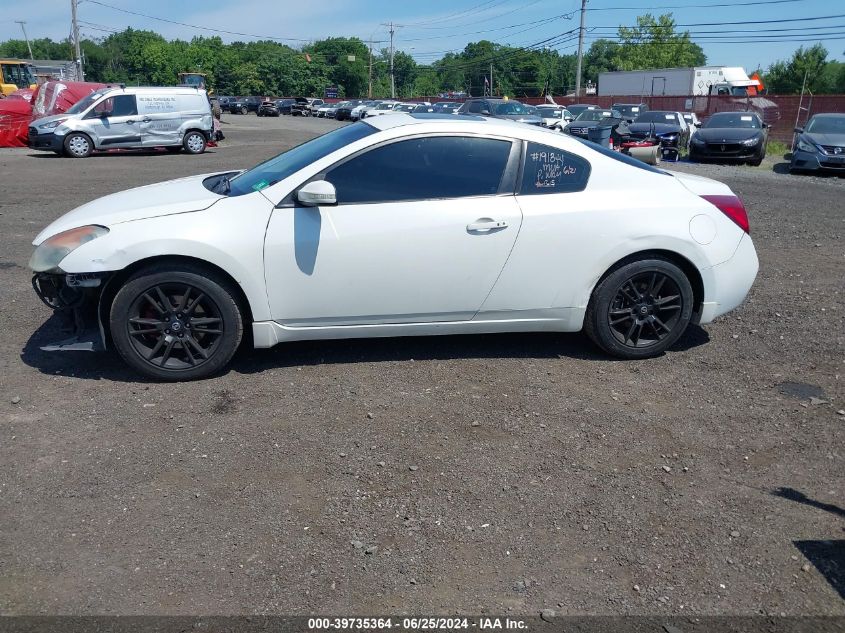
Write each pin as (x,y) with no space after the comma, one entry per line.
(14,75)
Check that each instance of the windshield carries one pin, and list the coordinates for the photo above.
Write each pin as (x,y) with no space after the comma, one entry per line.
(827,125)
(733,119)
(627,109)
(512,107)
(385,106)
(551,113)
(288,163)
(84,104)
(593,115)
(657,117)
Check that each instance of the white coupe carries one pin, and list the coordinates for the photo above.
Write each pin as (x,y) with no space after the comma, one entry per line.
(400,225)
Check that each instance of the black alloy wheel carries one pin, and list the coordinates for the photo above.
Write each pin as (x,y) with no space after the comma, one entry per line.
(645,309)
(176,324)
(640,309)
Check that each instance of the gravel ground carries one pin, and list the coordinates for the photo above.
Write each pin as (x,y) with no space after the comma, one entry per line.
(507,473)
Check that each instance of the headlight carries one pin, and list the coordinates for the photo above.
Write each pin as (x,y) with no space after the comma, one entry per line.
(804,146)
(669,137)
(751,141)
(52,251)
(52,125)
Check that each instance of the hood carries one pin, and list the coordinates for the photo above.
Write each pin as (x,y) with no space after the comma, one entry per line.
(825,139)
(165,198)
(521,118)
(726,134)
(54,117)
(659,128)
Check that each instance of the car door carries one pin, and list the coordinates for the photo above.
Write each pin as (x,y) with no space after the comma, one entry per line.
(115,123)
(160,119)
(420,233)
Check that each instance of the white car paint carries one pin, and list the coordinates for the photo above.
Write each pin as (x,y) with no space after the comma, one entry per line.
(414,267)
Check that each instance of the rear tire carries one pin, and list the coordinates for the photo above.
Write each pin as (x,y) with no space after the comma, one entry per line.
(176,322)
(78,145)
(194,142)
(640,309)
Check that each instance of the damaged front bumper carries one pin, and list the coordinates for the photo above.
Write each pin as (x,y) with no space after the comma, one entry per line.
(76,299)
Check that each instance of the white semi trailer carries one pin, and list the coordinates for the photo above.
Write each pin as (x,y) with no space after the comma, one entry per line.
(678,82)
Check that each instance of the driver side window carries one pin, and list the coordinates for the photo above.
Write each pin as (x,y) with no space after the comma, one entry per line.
(422,169)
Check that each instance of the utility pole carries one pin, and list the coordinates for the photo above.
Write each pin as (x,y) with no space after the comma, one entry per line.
(80,73)
(392,76)
(370,84)
(491,79)
(23,28)
(580,49)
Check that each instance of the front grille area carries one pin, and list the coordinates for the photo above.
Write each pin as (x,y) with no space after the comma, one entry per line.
(724,148)
(831,149)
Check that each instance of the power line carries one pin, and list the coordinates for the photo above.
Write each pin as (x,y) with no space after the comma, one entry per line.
(201,28)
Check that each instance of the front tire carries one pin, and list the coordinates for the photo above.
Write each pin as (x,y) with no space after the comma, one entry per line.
(640,309)
(194,142)
(78,145)
(176,322)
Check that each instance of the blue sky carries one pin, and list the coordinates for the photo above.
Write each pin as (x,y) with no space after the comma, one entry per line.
(431,27)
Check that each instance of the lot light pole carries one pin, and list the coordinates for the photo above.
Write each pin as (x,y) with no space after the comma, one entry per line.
(580,49)
(392,76)
(23,28)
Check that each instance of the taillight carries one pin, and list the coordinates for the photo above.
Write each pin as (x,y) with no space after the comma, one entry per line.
(732,207)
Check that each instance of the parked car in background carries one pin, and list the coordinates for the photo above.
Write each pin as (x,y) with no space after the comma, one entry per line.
(268,108)
(323,110)
(578,108)
(358,111)
(380,108)
(408,107)
(447,107)
(344,110)
(284,105)
(301,107)
(670,127)
(423,108)
(531,224)
(501,109)
(730,136)
(314,105)
(330,109)
(554,117)
(820,144)
(630,111)
(589,119)
(244,105)
(692,120)
(177,118)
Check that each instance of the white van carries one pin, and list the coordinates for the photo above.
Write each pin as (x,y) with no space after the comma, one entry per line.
(110,118)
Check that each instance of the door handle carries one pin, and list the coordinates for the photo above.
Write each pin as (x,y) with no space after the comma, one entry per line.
(130,120)
(486,224)
(146,119)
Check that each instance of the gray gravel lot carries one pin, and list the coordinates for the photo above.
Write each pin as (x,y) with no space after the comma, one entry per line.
(506,473)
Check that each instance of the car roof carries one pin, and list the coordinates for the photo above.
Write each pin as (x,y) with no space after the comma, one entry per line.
(467,122)
(827,115)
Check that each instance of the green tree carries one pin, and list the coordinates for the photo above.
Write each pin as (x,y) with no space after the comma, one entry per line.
(653,43)
(787,77)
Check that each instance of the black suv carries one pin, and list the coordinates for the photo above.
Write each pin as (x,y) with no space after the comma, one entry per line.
(502,109)
(630,111)
(244,105)
(345,113)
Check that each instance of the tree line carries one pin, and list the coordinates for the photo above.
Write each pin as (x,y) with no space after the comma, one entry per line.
(140,57)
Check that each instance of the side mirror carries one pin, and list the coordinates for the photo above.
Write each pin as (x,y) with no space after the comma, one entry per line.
(799,130)
(485,112)
(317,193)
(765,125)
(697,124)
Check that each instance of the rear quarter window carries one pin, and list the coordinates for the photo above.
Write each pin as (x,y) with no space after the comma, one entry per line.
(552,170)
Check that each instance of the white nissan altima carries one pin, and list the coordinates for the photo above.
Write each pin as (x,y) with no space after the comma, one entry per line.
(400,225)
